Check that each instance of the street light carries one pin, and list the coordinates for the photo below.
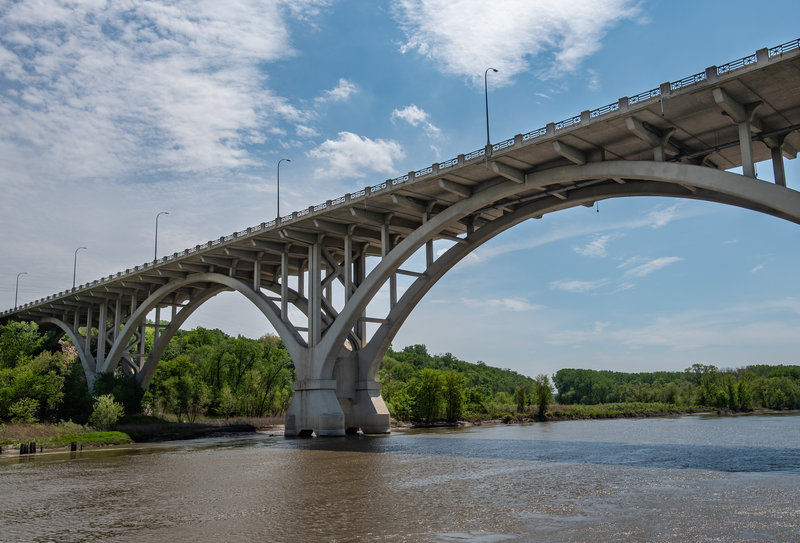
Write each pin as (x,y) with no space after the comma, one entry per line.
(75,265)
(16,291)
(279,184)
(486,94)
(155,245)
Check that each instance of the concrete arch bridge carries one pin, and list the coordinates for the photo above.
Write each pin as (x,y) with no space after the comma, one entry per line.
(677,140)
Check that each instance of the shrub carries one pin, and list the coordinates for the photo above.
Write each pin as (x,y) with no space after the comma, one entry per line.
(24,411)
(106,412)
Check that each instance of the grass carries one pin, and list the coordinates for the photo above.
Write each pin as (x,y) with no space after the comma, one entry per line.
(614,410)
(58,435)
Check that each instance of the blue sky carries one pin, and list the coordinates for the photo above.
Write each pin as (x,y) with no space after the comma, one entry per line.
(113,111)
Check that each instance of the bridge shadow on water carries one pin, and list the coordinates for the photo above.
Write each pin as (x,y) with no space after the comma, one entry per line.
(667,456)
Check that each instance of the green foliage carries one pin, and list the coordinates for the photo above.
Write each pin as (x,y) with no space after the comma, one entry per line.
(24,411)
(454,397)
(542,393)
(106,412)
(19,341)
(123,387)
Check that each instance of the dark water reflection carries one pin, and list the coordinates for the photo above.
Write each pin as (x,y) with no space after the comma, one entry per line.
(687,479)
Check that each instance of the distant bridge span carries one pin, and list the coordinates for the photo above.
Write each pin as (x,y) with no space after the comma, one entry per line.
(676,140)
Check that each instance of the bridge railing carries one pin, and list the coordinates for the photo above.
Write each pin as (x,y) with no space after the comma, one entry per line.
(434,169)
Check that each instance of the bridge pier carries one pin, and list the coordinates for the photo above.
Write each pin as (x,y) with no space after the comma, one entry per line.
(314,408)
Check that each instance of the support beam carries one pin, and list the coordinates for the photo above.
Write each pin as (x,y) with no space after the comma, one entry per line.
(302,237)
(512,174)
(420,206)
(369,216)
(331,226)
(570,153)
(455,188)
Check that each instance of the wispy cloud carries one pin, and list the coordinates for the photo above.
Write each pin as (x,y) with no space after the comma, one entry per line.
(573,285)
(514,305)
(465,36)
(131,88)
(650,266)
(596,247)
(351,155)
(416,116)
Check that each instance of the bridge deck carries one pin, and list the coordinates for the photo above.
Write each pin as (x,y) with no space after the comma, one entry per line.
(701,133)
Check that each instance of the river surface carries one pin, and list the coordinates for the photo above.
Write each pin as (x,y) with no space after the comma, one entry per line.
(686,479)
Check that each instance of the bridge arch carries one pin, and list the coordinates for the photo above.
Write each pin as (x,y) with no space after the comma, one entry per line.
(86,358)
(291,338)
(626,179)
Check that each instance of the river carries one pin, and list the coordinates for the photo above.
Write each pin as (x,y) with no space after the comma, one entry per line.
(685,479)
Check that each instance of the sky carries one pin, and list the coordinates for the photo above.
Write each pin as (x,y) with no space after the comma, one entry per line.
(111,112)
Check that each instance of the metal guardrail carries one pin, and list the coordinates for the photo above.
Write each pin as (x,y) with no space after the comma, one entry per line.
(539,132)
(687,81)
(784,48)
(736,64)
(534,133)
(566,123)
(603,110)
(642,96)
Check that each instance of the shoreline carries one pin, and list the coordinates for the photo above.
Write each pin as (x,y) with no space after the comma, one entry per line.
(173,431)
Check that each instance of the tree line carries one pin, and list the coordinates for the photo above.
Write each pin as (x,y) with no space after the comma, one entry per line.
(207,372)
(701,385)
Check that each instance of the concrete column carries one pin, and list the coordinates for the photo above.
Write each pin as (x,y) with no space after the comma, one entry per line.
(285,286)
(360,274)
(314,294)
(368,410)
(117,316)
(386,246)
(89,322)
(257,272)
(101,335)
(314,408)
(746,146)
(348,266)
(777,163)
(157,326)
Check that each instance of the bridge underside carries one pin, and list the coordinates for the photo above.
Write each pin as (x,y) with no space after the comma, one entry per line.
(316,275)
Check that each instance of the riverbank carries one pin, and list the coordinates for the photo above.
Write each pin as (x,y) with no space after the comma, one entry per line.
(136,430)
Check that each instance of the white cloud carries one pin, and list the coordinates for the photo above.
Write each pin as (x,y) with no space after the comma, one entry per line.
(573,285)
(757,268)
(661,216)
(352,155)
(651,266)
(596,247)
(464,37)
(306,131)
(416,116)
(133,88)
(340,93)
(515,305)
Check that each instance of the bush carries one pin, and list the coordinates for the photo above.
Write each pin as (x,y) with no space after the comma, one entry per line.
(106,412)
(24,411)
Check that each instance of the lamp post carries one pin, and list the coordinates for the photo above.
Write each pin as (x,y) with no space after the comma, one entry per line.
(75,265)
(279,185)
(486,95)
(16,290)
(155,245)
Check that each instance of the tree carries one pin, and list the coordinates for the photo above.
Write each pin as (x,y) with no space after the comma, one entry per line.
(521,397)
(454,396)
(19,340)
(428,394)
(543,393)
(106,412)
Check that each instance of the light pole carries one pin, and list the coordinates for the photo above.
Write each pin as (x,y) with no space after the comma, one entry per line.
(75,265)
(16,290)
(155,245)
(279,184)
(486,95)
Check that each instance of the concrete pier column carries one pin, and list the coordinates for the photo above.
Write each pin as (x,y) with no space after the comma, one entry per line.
(368,411)
(314,408)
